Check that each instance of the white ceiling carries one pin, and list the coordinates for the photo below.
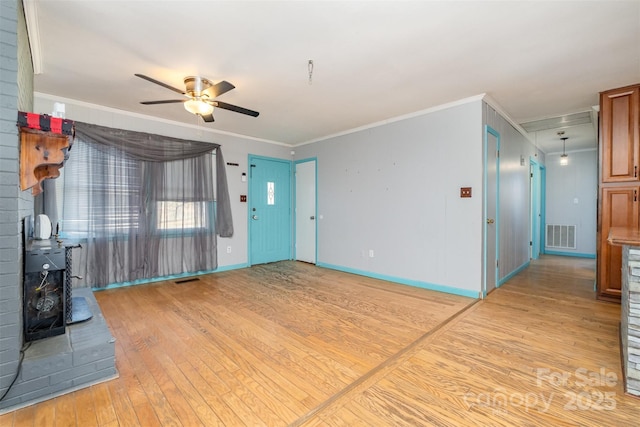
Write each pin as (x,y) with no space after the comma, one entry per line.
(373,60)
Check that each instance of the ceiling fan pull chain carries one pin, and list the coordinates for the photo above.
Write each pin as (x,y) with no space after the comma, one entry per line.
(310,66)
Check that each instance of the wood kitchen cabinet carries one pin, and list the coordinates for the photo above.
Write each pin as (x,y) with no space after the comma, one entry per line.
(619,181)
(619,208)
(619,109)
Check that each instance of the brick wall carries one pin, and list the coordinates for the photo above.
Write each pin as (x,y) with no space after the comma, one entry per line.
(16,89)
(85,355)
(630,323)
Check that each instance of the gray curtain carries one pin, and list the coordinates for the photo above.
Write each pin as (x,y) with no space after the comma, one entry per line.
(145,203)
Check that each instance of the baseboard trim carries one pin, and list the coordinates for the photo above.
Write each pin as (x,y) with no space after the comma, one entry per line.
(513,273)
(573,254)
(172,277)
(416,283)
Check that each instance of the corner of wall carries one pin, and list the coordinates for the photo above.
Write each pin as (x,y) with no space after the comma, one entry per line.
(17,93)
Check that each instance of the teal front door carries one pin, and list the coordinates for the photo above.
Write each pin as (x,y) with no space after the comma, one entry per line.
(269,210)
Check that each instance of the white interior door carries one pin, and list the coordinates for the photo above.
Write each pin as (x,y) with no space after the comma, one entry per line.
(306,211)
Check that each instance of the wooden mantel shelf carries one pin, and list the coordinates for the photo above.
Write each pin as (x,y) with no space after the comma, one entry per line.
(44,142)
(624,236)
(41,157)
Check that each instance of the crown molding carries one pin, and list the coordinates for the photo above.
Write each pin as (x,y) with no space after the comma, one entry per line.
(31,18)
(395,119)
(97,107)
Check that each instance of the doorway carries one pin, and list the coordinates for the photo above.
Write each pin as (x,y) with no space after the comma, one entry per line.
(305,211)
(537,191)
(269,210)
(491,210)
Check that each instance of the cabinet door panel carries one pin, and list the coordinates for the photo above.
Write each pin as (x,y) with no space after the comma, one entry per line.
(619,139)
(619,209)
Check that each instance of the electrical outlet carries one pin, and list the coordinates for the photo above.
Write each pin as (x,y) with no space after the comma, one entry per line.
(465,192)
(228,249)
(370,253)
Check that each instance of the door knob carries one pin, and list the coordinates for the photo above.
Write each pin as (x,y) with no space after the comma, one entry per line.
(255,217)
(489,221)
(312,217)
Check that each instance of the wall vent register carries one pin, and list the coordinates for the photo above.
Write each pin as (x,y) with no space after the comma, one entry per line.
(561,236)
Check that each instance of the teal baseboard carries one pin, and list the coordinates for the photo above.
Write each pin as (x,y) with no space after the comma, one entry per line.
(513,273)
(418,284)
(171,277)
(573,254)
(230,267)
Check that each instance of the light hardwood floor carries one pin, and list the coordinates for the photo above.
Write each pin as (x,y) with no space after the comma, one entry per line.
(292,344)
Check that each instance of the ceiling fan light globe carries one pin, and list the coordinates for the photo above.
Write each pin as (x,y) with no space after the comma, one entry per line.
(195,106)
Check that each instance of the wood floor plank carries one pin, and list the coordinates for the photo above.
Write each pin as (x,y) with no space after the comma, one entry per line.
(7,419)
(168,388)
(209,394)
(45,414)
(146,415)
(24,417)
(85,409)
(246,404)
(249,353)
(154,395)
(206,415)
(240,354)
(128,376)
(122,406)
(105,412)
(65,411)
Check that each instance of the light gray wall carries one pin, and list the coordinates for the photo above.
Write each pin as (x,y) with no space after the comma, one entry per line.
(234,148)
(572,197)
(392,189)
(395,189)
(515,218)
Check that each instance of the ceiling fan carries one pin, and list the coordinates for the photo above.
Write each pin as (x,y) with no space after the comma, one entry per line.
(200,96)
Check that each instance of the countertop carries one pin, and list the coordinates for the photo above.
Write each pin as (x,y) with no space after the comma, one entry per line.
(624,236)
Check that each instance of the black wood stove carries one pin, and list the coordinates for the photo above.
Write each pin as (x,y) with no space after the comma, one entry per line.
(44,291)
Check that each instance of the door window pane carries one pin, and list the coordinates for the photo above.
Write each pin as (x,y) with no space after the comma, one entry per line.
(271,193)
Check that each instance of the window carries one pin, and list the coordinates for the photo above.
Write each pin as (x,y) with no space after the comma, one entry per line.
(100,192)
(143,204)
(181,215)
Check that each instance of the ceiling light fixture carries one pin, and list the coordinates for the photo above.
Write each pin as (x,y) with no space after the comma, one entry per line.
(564,158)
(198,106)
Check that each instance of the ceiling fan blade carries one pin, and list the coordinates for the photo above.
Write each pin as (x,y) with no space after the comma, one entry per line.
(147,78)
(165,101)
(235,108)
(208,118)
(218,89)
